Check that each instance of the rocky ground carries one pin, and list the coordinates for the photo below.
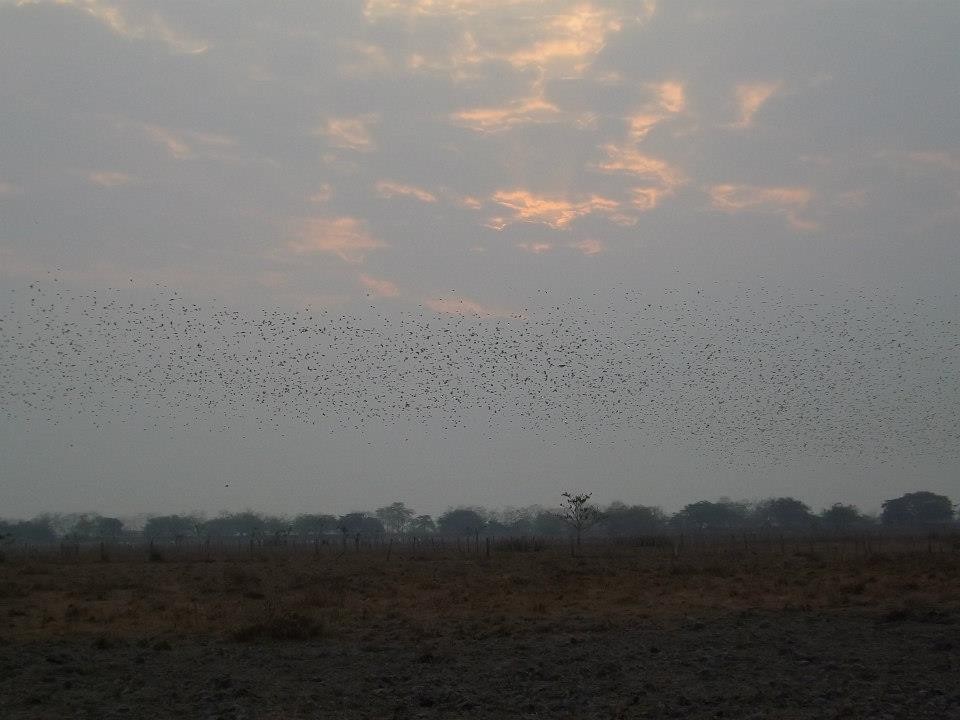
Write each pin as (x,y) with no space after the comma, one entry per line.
(743,664)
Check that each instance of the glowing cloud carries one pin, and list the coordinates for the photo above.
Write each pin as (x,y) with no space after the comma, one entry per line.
(345,237)
(752,198)
(556,213)
(111,179)
(535,248)
(750,98)
(626,159)
(671,96)
(562,40)
(389,189)
(352,133)
(182,144)
(647,198)
(589,247)
(153,27)
(461,306)
(379,287)
(322,195)
(527,111)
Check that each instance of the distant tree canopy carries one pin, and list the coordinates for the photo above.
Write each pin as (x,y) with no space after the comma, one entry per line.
(460,521)
(785,513)
(421,525)
(90,526)
(706,515)
(38,530)
(171,526)
(314,524)
(625,520)
(242,524)
(576,516)
(360,522)
(839,517)
(395,517)
(917,509)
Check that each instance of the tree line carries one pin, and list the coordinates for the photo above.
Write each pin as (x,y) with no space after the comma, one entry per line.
(912,511)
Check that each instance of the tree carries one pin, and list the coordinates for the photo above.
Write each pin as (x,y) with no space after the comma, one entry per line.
(917,509)
(170,526)
(360,523)
(578,514)
(786,513)
(706,515)
(625,520)
(839,517)
(460,521)
(422,525)
(395,516)
(313,524)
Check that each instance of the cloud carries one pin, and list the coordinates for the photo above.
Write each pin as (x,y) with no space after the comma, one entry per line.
(527,111)
(750,98)
(322,195)
(350,133)
(389,189)
(788,201)
(117,20)
(182,144)
(345,237)
(535,248)
(589,247)
(940,160)
(366,58)
(671,96)
(461,306)
(554,212)
(561,42)
(111,179)
(629,160)
(647,198)
(7,188)
(379,287)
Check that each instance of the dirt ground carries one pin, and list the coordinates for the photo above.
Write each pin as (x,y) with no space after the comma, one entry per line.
(793,634)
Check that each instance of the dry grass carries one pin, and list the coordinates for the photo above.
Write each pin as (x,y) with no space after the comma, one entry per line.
(286,595)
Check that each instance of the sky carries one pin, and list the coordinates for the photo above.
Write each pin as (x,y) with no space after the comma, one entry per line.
(480,162)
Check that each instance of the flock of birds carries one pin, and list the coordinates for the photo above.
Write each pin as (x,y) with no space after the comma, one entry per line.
(753,376)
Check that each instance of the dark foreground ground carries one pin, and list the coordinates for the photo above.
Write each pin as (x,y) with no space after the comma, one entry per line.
(779,636)
(747,665)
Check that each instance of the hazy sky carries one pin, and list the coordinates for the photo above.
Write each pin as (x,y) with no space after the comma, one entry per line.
(456,157)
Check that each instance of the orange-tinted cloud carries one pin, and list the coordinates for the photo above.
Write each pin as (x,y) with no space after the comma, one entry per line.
(322,195)
(7,188)
(671,96)
(750,98)
(349,133)
(589,247)
(553,212)
(647,198)
(117,19)
(461,306)
(788,201)
(111,179)
(345,237)
(627,159)
(389,189)
(562,39)
(535,248)
(379,286)
(526,111)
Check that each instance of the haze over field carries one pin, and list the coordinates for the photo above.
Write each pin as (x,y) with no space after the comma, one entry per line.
(322,256)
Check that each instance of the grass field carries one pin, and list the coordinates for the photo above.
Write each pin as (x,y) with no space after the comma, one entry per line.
(188,591)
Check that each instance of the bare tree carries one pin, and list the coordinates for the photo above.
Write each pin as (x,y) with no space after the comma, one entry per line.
(578,514)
